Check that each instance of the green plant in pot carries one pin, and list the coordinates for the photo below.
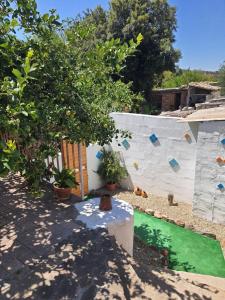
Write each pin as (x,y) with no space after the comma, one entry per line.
(111,170)
(64,182)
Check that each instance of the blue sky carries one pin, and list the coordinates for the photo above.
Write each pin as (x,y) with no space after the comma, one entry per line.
(201,28)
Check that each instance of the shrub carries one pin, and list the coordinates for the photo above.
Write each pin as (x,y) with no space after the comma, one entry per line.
(65,178)
(110,168)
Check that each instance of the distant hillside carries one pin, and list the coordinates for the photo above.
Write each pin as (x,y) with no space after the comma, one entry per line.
(212,73)
(184,77)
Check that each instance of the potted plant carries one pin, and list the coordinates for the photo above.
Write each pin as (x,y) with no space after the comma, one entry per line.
(64,182)
(105,202)
(111,170)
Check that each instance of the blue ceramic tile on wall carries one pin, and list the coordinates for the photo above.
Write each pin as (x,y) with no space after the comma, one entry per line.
(153,138)
(126,144)
(99,155)
(173,163)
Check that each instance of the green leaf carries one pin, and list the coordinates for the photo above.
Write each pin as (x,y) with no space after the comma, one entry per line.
(45,17)
(139,38)
(25,113)
(69,183)
(33,67)
(14,23)
(17,73)
(33,114)
(4,45)
(30,53)
(6,165)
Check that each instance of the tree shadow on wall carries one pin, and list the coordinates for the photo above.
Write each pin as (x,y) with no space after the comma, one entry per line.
(155,238)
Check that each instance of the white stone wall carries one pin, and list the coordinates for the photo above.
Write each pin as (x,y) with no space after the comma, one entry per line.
(209,201)
(154,173)
(197,178)
(94,181)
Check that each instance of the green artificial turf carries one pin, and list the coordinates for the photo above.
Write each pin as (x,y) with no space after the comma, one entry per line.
(188,251)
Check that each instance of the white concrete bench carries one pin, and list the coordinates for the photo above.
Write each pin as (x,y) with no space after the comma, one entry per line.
(119,221)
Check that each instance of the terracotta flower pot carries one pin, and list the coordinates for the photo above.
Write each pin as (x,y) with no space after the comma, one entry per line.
(138,191)
(144,194)
(219,159)
(111,186)
(105,203)
(62,193)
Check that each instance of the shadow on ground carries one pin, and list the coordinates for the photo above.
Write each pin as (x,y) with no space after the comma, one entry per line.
(156,238)
(47,254)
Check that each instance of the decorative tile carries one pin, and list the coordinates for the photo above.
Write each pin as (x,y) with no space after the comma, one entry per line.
(223,141)
(219,159)
(153,138)
(173,163)
(126,144)
(220,186)
(99,155)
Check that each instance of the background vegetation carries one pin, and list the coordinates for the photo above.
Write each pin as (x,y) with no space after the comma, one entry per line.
(184,77)
(125,19)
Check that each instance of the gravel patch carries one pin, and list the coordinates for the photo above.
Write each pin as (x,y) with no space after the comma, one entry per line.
(181,212)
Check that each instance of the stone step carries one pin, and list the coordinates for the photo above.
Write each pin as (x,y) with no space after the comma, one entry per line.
(212,281)
(132,281)
(165,285)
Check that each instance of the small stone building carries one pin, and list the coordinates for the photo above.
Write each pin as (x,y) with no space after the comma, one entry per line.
(170,99)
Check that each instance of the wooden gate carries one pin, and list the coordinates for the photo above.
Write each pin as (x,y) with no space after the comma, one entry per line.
(74,157)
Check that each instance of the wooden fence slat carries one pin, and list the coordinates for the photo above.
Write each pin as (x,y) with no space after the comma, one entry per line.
(57,160)
(70,159)
(67,156)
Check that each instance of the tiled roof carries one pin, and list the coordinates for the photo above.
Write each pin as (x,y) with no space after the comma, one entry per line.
(205,85)
(210,114)
(210,86)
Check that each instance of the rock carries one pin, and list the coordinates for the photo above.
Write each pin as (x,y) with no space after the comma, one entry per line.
(157,215)
(141,209)
(150,212)
(144,194)
(222,243)
(190,227)
(209,234)
(180,223)
(135,206)
(171,220)
(198,231)
(164,217)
